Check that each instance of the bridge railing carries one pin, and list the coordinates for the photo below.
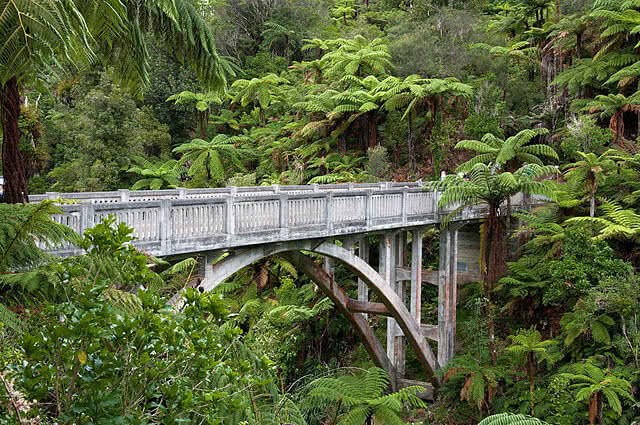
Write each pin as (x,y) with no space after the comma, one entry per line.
(166,224)
(125,195)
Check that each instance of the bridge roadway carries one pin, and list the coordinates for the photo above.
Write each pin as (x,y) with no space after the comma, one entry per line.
(337,221)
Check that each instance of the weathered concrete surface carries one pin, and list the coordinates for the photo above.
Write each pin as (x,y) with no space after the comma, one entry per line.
(398,310)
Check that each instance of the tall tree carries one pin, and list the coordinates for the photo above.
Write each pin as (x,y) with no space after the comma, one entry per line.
(202,102)
(508,154)
(258,91)
(213,157)
(613,107)
(38,32)
(412,95)
(488,186)
(591,170)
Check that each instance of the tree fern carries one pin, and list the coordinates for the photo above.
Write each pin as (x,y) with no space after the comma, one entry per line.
(357,399)
(511,419)
(24,229)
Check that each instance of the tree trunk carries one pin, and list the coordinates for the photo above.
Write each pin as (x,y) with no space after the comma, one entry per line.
(592,207)
(531,369)
(15,179)
(579,45)
(494,267)
(411,146)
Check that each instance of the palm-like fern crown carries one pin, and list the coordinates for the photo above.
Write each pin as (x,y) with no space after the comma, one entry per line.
(23,228)
(200,100)
(589,379)
(610,104)
(157,176)
(530,342)
(212,154)
(358,56)
(34,30)
(259,91)
(589,73)
(548,234)
(511,419)
(619,20)
(488,186)
(492,149)
(591,170)
(617,222)
(519,51)
(362,396)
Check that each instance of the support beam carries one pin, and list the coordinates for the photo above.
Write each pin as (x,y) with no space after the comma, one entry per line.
(368,307)
(341,300)
(425,356)
(430,332)
(427,276)
(363,252)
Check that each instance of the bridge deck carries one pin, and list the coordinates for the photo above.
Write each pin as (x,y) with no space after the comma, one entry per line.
(180,221)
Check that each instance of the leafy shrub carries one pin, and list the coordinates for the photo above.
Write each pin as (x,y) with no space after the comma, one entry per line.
(378,164)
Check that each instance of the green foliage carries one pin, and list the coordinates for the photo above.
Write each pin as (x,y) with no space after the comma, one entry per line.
(584,264)
(157,176)
(378,162)
(584,136)
(505,152)
(511,419)
(96,137)
(598,387)
(479,382)
(215,159)
(357,399)
(24,230)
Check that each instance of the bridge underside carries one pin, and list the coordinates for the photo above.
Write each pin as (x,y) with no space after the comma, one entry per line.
(397,285)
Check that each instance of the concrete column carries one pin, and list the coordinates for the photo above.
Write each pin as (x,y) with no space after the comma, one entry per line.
(206,266)
(447,294)
(329,267)
(386,272)
(416,276)
(400,260)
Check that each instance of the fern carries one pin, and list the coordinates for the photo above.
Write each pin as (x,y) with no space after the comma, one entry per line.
(358,398)
(511,419)
(24,229)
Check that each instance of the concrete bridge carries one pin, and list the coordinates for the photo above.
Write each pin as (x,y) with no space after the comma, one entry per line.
(341,222)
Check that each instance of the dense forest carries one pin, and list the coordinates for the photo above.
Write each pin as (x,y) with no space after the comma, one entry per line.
(481,99)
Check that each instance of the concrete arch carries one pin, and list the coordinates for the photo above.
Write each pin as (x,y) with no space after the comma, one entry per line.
(411,329)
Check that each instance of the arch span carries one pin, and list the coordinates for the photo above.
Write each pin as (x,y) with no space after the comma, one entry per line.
(239,259)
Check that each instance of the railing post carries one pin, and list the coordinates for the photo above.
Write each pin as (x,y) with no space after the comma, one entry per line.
(276,188)
(284,214)
(329,211)
(315,187)
(182,193)
(367,208)
(404,205)
(124,195)
(165,226)
(383,186)
(229,216)
(86,217)
(351,187)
